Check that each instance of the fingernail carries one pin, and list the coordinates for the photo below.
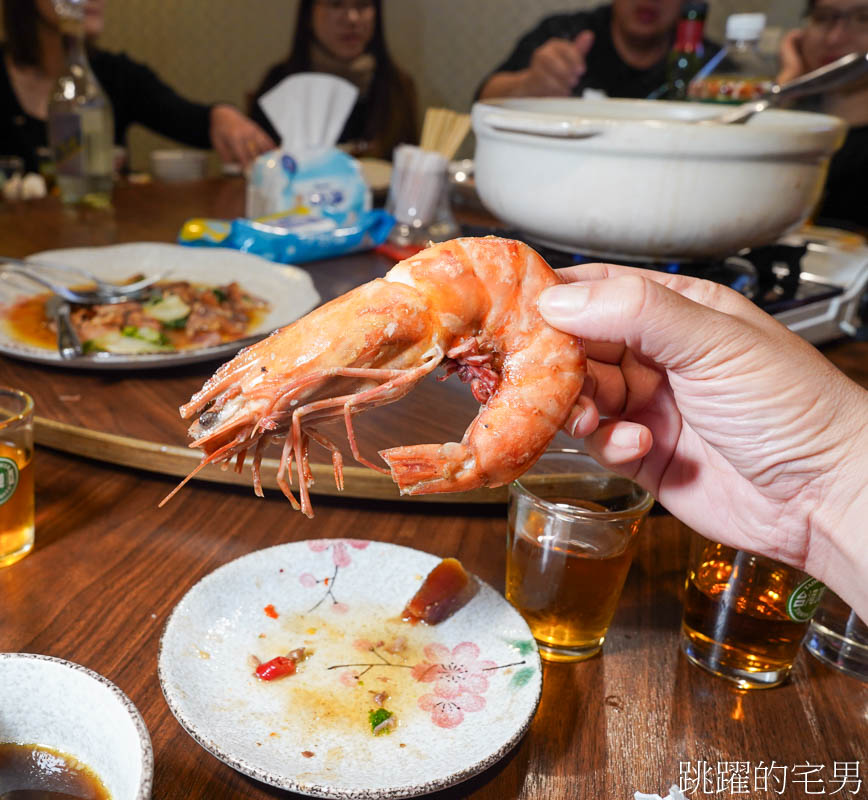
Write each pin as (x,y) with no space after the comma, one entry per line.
(578,413)
(626,437)
(563,301)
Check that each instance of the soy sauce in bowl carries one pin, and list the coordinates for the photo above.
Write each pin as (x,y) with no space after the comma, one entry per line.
(32,772)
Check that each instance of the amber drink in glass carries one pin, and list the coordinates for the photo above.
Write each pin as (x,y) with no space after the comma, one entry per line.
(571,534)
(745,615)
(16,475)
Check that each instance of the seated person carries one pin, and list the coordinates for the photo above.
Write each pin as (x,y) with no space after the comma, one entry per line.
(619,49)
(32,60)
(832,29)
(345,38)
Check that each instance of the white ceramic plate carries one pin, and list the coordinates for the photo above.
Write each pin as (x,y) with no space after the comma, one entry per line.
(462,692)
(288,290)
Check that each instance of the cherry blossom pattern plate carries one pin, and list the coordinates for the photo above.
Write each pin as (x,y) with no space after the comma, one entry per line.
(462,693)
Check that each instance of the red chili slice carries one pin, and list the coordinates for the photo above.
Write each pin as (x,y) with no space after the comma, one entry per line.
(278,667)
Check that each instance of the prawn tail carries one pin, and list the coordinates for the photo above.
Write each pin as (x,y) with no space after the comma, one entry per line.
(433,468)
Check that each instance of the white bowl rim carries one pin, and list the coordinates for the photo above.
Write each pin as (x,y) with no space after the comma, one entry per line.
(146,750)
(678,113)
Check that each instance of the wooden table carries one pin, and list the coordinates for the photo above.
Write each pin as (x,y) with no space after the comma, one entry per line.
(108,567)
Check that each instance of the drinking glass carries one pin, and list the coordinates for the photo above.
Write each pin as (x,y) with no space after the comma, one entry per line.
(838,637)
(16,475)
(571,534)
(745,615)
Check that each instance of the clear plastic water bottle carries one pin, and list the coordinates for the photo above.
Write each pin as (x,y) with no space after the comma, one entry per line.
(80,124)
(739,72)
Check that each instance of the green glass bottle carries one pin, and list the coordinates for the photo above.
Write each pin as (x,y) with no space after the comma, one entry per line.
(687,55)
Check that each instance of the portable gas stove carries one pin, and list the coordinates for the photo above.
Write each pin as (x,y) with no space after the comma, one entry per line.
(813,281)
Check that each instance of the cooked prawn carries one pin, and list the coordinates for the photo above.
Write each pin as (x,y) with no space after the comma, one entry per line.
(470,304)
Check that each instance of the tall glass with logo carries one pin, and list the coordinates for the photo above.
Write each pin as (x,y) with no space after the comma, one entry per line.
(16,475)
(745,615)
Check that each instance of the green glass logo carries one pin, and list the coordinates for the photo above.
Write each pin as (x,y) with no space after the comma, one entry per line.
(804,599)
(8,478)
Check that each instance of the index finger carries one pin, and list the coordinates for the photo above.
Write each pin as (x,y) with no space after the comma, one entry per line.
(700,290)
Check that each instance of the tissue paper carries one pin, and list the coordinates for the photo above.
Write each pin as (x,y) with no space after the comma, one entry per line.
(308,176)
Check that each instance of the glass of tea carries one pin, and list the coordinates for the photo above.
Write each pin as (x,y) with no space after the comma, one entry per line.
(745,615)
(16,475)
(570,539)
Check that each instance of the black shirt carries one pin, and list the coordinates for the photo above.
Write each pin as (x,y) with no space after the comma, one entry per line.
(136,95)
(845,198)
(606,70)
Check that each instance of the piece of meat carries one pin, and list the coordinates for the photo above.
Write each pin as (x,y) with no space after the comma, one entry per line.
(446,589)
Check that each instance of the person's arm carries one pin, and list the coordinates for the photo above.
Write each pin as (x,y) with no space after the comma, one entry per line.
(547,60)
(555,68)
(139,95)
(739,427)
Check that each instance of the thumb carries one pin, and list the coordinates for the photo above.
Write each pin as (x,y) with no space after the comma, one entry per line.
(649,318)
(584,42)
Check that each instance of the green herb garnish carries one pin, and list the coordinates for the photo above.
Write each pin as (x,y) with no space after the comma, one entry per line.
(376,718)
(221,296)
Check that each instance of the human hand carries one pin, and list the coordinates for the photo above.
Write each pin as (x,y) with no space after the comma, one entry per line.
(557,66)
(739,427)
(235,137)
(790,57)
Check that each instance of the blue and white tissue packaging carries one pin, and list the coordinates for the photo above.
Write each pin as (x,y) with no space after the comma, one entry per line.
(322,188)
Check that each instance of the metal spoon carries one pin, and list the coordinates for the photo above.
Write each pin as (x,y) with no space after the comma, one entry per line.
(103,286)
(832,76)
(84,298)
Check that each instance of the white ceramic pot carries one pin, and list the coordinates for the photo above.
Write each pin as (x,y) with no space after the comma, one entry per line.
(642,179)
(64,706)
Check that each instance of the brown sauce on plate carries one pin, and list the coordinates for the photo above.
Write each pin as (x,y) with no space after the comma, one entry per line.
(33,772)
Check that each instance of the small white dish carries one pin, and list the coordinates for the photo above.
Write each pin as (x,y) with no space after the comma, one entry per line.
(179,165)
(462,692)
(69,708)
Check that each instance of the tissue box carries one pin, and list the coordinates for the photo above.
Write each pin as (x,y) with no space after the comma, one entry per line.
(308,189)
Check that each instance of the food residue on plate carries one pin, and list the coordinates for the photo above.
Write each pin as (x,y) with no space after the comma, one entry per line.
(445,589)
(350,667)
(177,315)
(381,721)
(279,666)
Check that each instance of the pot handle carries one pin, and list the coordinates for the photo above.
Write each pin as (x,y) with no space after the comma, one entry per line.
(553,128)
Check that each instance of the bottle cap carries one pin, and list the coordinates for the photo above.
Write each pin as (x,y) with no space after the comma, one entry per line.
(745,26)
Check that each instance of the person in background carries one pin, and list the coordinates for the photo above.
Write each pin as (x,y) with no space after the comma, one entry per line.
(345,38)
(32,59)
(740,428)
(619,49)
(834,28)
